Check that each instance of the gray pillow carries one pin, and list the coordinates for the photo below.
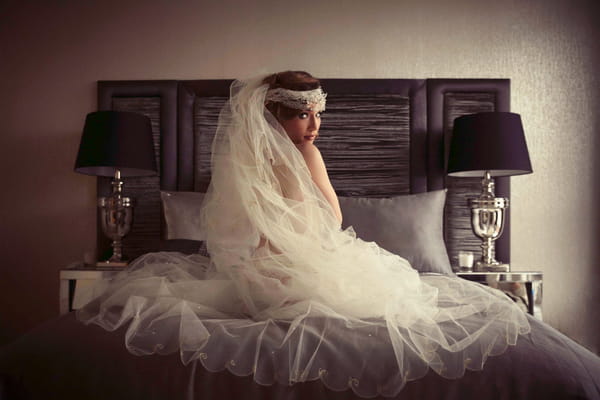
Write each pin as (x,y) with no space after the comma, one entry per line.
(410,226)
(182,214)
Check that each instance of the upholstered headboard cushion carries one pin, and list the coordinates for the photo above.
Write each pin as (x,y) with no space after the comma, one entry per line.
(379,138)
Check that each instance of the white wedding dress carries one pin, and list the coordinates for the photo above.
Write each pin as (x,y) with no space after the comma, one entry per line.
(287,296)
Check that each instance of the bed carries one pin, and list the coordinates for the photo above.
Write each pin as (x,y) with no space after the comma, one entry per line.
(384,142)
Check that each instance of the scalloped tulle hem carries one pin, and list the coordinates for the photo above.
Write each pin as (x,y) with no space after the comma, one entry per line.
(353,383)
(171,303)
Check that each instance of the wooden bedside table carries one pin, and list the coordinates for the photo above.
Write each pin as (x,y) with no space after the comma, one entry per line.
(524,287)
(77,282)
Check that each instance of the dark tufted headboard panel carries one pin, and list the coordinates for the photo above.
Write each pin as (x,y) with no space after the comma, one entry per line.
(379,138)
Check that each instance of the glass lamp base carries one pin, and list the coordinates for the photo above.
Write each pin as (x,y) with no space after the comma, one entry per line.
(481,266)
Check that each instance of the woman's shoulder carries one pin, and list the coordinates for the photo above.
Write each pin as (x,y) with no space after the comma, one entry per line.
(309,150)
(313,159)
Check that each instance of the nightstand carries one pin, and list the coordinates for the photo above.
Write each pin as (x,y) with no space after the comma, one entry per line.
(523,287)
(79,282)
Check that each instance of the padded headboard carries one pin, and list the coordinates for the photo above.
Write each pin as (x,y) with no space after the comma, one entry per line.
(379,138)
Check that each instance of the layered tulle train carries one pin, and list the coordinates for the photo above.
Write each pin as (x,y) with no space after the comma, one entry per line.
(176,303)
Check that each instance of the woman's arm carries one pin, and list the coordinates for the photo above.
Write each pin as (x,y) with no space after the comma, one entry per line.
(318,172)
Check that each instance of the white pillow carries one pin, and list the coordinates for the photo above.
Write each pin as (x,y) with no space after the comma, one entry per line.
(182,214)
(410,226)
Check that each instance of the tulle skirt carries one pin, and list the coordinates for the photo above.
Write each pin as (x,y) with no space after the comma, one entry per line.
(370,332)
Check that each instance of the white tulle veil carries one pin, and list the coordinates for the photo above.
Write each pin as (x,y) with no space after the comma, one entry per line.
(287,295)
(267,225)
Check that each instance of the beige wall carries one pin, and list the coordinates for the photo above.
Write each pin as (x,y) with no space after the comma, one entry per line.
(52,53)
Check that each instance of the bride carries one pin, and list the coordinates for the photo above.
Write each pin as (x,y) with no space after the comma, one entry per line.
(287,295)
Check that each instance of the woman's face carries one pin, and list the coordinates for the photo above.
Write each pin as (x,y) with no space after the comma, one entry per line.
(303,127)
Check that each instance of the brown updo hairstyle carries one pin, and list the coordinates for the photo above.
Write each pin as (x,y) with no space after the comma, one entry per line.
(291,80)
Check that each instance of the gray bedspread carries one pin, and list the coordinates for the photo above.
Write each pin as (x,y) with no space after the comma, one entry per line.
(64,359)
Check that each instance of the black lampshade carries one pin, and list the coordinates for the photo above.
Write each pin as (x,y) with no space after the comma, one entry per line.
(489,141)
(114,140)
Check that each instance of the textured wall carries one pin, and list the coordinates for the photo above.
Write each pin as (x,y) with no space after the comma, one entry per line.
(54,52)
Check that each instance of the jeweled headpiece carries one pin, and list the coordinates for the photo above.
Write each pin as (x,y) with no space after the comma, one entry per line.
(299,99)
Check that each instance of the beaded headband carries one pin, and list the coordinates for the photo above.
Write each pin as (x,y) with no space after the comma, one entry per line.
(299,99)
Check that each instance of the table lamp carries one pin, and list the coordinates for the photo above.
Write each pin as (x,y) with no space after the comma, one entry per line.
(116,144)
(487,145)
